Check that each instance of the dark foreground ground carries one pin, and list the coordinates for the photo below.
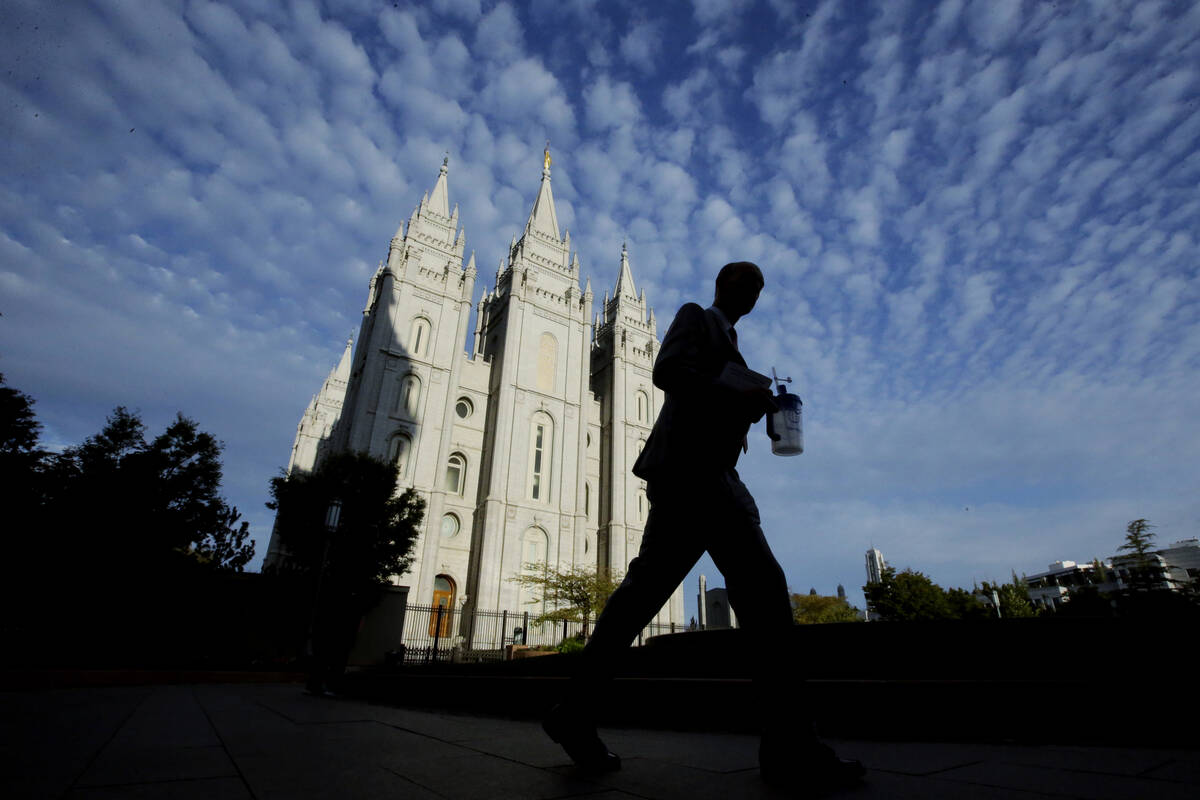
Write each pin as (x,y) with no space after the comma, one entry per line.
(272,741)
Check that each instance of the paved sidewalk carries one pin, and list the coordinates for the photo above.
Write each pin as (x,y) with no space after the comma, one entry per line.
(272,741)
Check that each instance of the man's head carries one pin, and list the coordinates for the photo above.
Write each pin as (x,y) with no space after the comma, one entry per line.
(738,286)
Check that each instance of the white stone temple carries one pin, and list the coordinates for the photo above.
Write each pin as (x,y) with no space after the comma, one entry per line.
(521,433)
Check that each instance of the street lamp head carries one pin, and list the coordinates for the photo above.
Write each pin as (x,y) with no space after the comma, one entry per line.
(332,515)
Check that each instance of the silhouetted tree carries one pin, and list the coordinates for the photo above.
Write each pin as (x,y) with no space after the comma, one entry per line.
(1139,546)
(347,567)
(376,532)
(21,466)
(19,427)
(123,505)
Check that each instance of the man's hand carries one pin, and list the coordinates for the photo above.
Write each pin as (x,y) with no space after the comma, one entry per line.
(758,401)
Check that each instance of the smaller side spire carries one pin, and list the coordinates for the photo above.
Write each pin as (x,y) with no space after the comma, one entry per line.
(625,278)
(342,371)
(439,201)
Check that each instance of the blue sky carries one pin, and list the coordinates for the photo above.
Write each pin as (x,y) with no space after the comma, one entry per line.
(977,221)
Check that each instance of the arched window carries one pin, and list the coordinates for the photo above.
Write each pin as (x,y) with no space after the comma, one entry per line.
(419,336)
(534,547)
(456,473)
(642,505)
(409,398)
(547,363)
(541,443)
(443,598)
(399,451)
(643,406)
(587,500)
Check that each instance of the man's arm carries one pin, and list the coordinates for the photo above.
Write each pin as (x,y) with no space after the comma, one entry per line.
(685,368)
(681,367)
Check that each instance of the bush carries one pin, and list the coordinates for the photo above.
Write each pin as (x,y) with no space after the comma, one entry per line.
(572,644)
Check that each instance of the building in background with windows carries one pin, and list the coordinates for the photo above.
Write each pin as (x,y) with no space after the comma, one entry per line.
(875,567)
(522,444)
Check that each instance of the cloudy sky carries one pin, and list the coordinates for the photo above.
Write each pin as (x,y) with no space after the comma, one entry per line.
(977,221)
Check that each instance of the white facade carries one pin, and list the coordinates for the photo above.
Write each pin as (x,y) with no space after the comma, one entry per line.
(522,447)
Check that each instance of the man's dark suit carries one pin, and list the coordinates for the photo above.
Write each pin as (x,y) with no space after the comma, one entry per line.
(701,426)
(697,501)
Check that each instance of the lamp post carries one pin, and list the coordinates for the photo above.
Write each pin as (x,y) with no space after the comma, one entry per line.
(316,679)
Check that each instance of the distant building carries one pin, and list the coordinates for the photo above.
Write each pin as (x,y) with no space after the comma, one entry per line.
(1173,568)
(1160,574)
(875,567)
(1052,588)
(1184,555)
(717,611)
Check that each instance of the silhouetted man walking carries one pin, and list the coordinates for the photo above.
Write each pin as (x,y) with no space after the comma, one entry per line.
(698,503)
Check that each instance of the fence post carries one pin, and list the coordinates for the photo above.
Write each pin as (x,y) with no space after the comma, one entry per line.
(437,633)
(503,627)
(525,628)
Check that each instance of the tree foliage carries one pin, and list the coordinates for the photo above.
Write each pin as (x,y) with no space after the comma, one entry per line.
(376,533)
(910,596)
(907,596)
(1139,547)
(1014,598)
(818,609)
(575,593)
(121,550)
(125,505)
(19,427)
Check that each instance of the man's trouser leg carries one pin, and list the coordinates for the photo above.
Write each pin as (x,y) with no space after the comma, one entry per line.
(759,595)
(670,548)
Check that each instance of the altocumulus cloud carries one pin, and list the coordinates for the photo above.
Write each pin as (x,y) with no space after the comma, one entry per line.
(977,223)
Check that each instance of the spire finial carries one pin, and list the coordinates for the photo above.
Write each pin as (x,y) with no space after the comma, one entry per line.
(546,156)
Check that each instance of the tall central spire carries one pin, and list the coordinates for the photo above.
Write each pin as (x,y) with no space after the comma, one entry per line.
(543,218)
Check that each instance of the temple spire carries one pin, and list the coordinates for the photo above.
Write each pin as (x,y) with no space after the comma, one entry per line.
(625,279)
(439,201)
(543,218)
(342,371)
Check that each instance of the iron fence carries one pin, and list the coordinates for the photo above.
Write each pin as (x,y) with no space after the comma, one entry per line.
(440,633)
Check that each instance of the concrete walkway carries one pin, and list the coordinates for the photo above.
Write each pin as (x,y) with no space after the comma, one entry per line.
(272,741)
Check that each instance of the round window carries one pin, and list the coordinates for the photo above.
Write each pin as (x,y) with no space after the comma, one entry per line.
(463,408)
(449,526)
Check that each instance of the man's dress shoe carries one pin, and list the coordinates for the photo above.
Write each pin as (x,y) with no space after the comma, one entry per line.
(581,741)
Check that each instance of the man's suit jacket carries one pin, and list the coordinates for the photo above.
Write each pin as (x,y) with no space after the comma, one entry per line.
(702,424)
